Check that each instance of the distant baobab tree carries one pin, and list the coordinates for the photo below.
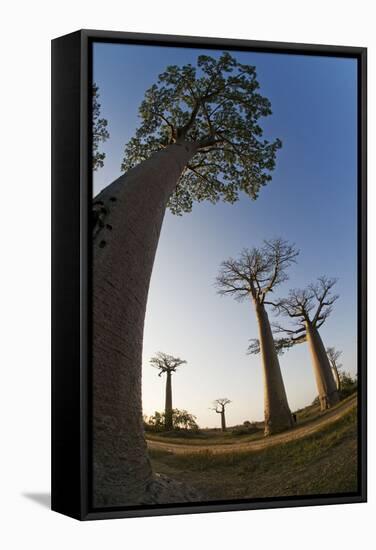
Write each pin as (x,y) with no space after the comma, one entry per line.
(199,139)
(253,276)
(309,308)
(219,407)
(333,356)
(167,364)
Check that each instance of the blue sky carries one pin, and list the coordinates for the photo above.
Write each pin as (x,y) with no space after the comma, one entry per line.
(311,201)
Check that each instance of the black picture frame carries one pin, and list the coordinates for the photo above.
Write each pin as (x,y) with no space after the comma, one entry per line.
(71,256)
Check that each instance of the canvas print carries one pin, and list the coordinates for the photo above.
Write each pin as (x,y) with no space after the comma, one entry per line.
(224,275)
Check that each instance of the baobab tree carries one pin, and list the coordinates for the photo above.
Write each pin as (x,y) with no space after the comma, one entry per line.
(309,308)
(220,408)
(254,276)
(167,364)
(99,131)
(333,356)
(199,139)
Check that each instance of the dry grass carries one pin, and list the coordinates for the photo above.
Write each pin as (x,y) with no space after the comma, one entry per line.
(324,462)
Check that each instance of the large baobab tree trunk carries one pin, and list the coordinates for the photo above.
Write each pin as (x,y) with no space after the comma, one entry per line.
(223,421)
(326,386)
(277,412)
(131,214)
(168,405)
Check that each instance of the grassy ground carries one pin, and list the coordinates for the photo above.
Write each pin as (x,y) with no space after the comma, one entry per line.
(205,437)
(217,437)
(324,462)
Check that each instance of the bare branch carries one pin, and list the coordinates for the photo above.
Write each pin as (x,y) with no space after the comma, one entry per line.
(221,402)
(321,290)
(257,269)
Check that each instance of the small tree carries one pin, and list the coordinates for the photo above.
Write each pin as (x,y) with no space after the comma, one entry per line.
(254,276)
(183,420)
(309,308)
(99,131)
(333,356)
(349,384)
(157,420)
(220,407)
(167,364)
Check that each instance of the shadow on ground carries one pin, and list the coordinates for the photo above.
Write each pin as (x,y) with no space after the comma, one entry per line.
(43,499)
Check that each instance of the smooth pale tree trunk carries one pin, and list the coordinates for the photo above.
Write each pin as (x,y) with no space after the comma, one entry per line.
(168,405)
(277,412)
(336,377)
(326,386)
(132,211)
(223,421)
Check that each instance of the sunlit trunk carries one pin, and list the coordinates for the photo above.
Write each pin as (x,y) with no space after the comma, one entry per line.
(276,408)
(131,212)
(326,386)
(336,377)
(168,405)
(223,421)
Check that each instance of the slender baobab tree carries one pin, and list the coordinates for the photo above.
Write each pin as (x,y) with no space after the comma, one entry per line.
(333,356)
(199,139)
(309,309)
(254,275)
(167,364)
(219,407)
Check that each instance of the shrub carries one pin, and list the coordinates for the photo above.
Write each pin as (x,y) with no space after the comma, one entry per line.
(349,384)
(247,428)
(181,420)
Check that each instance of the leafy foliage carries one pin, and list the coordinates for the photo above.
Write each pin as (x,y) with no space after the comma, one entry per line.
(349,384)
(181,420)
(99,129)
(216,106)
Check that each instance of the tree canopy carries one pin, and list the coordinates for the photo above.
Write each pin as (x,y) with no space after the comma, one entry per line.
(313,304)
(333,356)
(181,420)
(221,402)
(99,129)
(166,363)
(216,105)
(257,271)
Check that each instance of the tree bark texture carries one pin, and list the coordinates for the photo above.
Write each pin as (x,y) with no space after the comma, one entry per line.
(326,386)
(223,421)
(168,404)
(125,242)
(277,412)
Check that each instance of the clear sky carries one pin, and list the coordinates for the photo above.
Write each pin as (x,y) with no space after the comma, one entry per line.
(311,201)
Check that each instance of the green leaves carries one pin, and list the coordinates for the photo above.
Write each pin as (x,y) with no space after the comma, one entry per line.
(99,129)
(217,106)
